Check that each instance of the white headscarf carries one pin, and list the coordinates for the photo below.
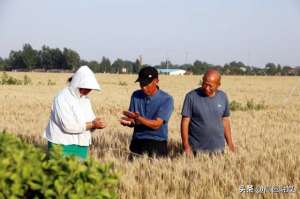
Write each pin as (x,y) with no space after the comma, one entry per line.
(84,78)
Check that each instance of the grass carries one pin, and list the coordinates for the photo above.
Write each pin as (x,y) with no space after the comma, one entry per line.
(268,140)
(249,105)
(5,79)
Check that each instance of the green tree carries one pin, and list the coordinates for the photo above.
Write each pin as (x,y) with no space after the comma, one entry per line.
(271,69)
(83,62)
(2,64)
(136,66)
(52,58)
(105,65)
(16,60)
(6,64)
(186,66)
(29,56)
(129,66)
(235,68)
(166,64)
(200,67)
(94,66)
(279,69)
(117,66)
(259,71)
(71,59)
(57,58)
(45,55)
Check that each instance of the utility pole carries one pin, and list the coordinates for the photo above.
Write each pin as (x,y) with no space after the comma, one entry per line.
(186,57)
(167,67)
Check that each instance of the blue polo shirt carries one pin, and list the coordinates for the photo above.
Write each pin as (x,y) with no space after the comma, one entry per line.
(160,105)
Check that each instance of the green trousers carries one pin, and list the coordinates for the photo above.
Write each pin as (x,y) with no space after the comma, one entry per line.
(71,150)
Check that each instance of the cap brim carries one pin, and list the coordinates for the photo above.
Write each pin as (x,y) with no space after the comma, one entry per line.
(143,82)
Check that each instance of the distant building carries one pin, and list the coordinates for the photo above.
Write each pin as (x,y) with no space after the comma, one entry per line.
(294,71)
(172,71)
(124,70)
(188,72)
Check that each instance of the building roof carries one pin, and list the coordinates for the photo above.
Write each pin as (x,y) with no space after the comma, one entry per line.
(169,70)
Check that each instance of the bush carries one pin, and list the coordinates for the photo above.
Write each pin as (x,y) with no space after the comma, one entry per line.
(8,80)
(26,80)
(250,105)
(123,83)
(50,82)
(235,106)
(26,172)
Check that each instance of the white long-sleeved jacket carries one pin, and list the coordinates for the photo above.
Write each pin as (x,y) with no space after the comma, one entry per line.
(70,112)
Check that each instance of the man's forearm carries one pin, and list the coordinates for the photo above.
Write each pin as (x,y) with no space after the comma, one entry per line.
(185,140)
(228,138)
(185,133)
(154,124)
(227,133)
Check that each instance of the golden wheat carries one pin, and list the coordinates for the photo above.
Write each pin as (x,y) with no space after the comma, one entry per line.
(268,140)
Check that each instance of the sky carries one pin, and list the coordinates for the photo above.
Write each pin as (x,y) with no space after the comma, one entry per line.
(216,31)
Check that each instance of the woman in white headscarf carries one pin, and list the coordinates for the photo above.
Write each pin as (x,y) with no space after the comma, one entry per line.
(72,118)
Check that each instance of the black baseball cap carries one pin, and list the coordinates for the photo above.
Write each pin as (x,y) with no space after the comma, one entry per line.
(147,75)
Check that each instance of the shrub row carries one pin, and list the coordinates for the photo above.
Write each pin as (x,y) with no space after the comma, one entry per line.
(27,172)
(9,80)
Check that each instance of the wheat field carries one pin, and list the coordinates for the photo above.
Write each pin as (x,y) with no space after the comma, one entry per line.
(268,140)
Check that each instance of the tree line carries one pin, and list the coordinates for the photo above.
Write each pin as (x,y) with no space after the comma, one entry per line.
(55,59)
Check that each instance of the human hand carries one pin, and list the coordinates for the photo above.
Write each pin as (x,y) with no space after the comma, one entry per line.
(99,123)
(125,121)
(232,148)
(188,151)
(132,115)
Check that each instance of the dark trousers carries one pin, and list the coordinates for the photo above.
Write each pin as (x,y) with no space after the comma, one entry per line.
(149,147)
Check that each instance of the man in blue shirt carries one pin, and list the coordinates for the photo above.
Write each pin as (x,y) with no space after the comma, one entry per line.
(149,112)
(205,123)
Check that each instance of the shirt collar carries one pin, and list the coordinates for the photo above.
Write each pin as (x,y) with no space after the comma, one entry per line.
(155,95)
(201,93)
